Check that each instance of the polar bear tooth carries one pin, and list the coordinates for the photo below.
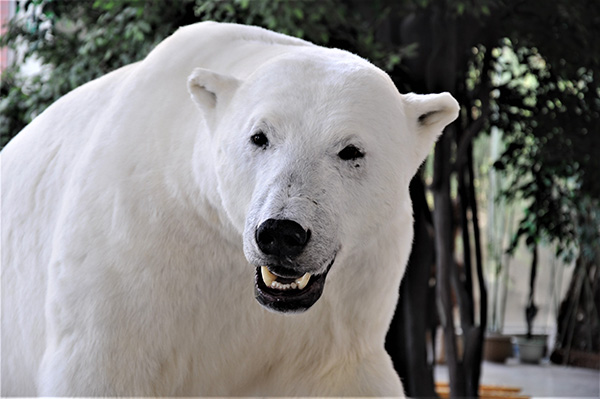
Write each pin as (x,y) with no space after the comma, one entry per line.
(267,276)
(270,280)
(302,281)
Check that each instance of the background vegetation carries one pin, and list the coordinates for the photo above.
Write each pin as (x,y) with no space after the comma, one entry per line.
(529,69)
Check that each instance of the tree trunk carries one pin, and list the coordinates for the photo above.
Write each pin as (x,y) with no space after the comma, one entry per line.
(467,319)
(444,259)
(473,334)
(578,337)
(441,75)
(436,68)
(531,309)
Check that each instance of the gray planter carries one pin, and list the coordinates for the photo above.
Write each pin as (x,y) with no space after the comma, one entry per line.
(530,350)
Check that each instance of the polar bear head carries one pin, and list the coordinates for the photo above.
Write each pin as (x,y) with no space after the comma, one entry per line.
(314,153)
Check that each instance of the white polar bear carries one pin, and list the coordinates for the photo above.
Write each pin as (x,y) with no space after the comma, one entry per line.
(136,222)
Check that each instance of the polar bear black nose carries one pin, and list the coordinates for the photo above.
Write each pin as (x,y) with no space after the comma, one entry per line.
(281,237)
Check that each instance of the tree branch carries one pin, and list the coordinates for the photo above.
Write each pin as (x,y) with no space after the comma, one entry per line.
(470,132)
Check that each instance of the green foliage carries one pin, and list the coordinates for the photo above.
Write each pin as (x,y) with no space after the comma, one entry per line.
(552,143)
(305,19)
(536,68)
(328,23)
(76,42)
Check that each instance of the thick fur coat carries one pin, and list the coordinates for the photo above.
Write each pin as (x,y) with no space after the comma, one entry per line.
(130,211)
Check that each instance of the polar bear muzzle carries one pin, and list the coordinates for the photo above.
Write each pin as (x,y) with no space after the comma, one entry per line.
(278,286)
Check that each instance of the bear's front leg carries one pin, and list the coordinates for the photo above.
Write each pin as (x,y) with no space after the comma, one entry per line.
(68,371)
(83,362)
(126,362)
(108,335)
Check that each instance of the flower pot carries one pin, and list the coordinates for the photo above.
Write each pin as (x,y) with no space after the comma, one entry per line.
(497,347)
(530,350)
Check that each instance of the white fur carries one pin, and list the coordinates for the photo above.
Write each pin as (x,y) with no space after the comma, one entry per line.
(127,208)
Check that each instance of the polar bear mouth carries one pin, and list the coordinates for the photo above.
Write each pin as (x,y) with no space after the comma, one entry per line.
(288,294)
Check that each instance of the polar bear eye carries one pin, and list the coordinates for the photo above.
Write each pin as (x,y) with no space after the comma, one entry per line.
(260,140)
(350,153)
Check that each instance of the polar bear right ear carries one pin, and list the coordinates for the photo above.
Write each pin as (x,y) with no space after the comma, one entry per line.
(429,113)
(211,92)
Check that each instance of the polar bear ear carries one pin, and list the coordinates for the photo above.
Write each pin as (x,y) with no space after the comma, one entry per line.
(211,92)
(430,113)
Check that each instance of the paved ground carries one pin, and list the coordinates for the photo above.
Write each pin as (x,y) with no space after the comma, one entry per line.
(538,381)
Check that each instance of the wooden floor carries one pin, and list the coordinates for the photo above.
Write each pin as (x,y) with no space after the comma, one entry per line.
(485,391)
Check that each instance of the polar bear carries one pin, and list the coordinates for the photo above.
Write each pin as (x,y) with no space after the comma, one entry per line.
(229,216)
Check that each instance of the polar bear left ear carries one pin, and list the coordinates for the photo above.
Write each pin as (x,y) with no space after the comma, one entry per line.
(211,92)
(430,114)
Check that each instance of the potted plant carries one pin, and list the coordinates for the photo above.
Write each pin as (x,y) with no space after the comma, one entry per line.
(531,348)
(497,346)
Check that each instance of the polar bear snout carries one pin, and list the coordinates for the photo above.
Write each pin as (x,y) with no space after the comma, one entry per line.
(281,238)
